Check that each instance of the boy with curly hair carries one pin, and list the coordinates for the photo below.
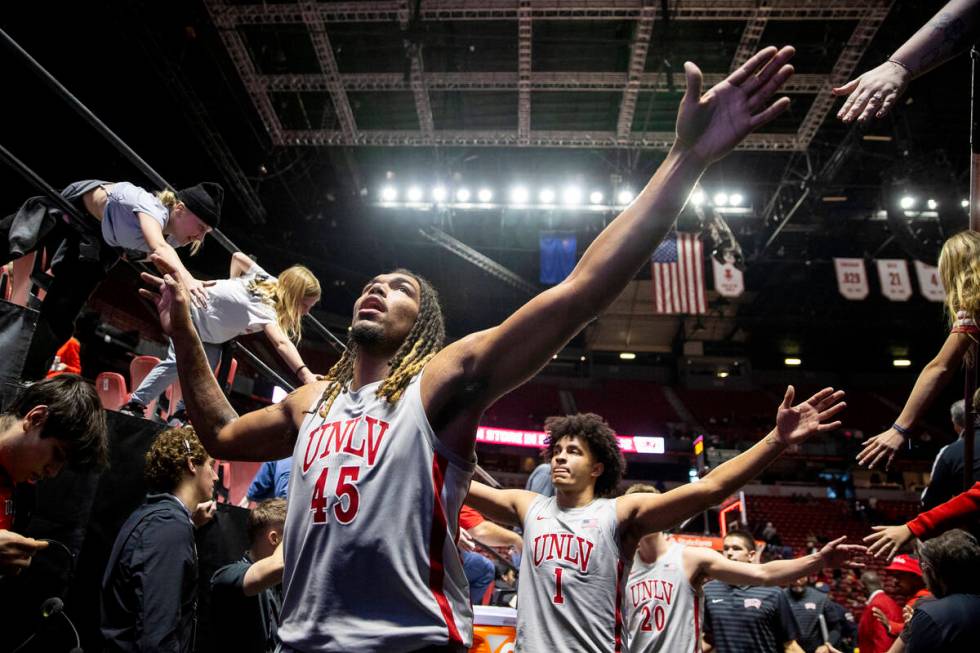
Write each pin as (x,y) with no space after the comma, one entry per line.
(149,590)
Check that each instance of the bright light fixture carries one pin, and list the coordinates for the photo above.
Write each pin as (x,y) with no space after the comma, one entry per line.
(932,204)
(485,195)
(414,194)
(463,195)
(793,362)
(625,196)
(439,193)
(720,199)
(519,195)
(697,197)
(595,197)
(546,196)
(907,202)
(735,199)
(627,355)
(965,203)
(572,195)
(901,362)
(389,193)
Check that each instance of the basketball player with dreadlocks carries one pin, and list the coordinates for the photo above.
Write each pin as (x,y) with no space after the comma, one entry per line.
(383,446)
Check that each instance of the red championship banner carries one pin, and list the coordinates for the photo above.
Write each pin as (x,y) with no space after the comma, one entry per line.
(929,284)
(852,279)
(729,281)
(896,284)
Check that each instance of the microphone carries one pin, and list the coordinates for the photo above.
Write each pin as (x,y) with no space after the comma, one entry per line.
(51,607)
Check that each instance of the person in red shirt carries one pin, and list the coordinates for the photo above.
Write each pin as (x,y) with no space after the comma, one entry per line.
(962,511)
(908,577)
(872,636)
(68,360)
(480,570)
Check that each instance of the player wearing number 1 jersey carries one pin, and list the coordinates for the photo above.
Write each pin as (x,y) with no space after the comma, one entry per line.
(663,606)
(383,450)
(578,546)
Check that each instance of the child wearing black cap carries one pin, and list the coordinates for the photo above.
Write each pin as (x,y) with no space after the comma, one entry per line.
(116,220)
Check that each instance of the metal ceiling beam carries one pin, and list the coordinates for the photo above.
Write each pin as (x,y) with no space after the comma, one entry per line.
(416,80)
(524,71)
(485,263)
(226,22)
(445,10)
(751,35)
(662,141)
(508,81)
(328,65)
(857,44)
(634,72)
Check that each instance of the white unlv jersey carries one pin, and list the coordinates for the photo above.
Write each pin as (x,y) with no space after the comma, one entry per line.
(663,610)
(369,542)
(570,589)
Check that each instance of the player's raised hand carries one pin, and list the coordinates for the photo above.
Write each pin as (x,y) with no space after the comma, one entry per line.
(796,424)
(168,294)
(712,124)
(874,93)
(837,554)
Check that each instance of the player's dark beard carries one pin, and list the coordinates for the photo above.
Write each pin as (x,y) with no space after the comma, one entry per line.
(370,337)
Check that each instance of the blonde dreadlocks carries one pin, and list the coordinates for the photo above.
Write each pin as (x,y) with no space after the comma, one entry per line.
(422,343)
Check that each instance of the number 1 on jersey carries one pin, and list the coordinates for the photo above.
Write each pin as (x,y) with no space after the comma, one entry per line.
(559,599)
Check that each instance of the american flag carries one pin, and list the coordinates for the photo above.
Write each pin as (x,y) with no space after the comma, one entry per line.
(677,268)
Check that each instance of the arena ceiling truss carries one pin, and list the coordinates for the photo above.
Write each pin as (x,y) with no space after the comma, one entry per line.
(397,72)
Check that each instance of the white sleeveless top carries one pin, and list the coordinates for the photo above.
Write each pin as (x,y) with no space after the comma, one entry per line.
(663,610)
(371,562)
(570,589)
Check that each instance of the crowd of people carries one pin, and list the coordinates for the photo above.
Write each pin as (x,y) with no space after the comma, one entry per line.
(366,511)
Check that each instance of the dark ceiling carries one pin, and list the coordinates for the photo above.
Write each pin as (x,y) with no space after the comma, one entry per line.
(160,75)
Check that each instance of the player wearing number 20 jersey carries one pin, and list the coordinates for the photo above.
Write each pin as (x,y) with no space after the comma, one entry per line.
(663,610)
(374,499)
(571,578)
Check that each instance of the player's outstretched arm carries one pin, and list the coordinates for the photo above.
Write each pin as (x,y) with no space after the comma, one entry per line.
(504,506)
(711,564)
(932,379)
(640,513)
(470,374)
(262,435)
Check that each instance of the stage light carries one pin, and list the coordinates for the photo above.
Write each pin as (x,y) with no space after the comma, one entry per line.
(793,362)
(463,195)
(901,362)
(519,195)
(582,358)
(627,355)
(697,197)
(965,204)
(907,202)
(595,197)
(389,193)
(546,196)
(485,195)
(722,374)
(720,199)
(439,193)
(414,194)
(932,204)
(625,196)
(572,195)
(736,199)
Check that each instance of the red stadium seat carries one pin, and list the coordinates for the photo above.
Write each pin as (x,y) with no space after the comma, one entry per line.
(139,367)
(111,388)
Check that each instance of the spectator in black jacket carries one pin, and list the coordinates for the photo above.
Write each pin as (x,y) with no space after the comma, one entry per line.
(149,590)
(947,471)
